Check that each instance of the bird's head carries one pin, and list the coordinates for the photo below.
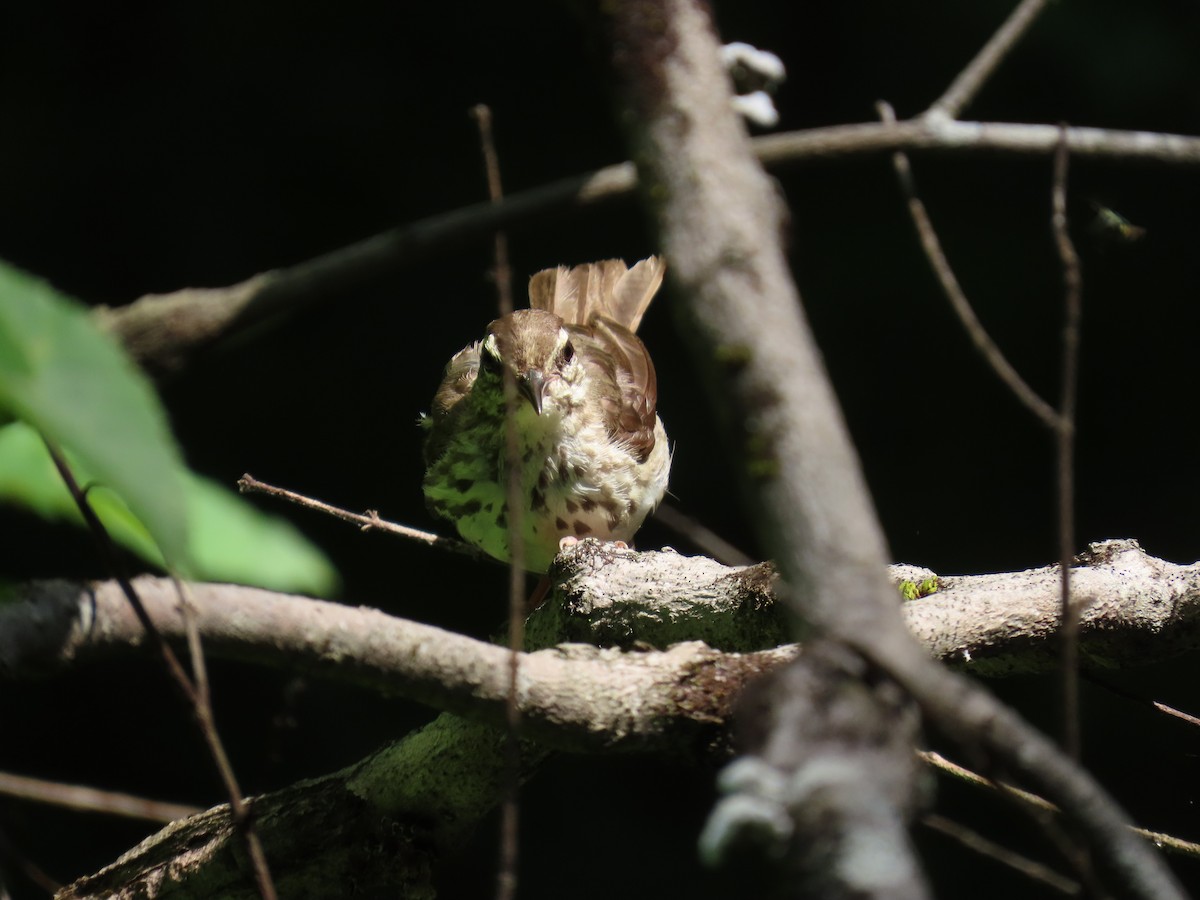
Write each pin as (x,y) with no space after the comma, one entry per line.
(534,346)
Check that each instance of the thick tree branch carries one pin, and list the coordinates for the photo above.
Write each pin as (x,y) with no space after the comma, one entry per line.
(382,823)
(573,698)
(719,224)
(824,770)
(373,829)
(1136,610)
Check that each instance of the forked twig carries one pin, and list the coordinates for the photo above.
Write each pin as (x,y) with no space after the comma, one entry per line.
(987,348)
(972,79)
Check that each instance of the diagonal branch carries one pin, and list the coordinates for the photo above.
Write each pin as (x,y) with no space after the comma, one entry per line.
(984,345)
(163,331)
(983,342)
(194,689)
(719,223)
(972,79)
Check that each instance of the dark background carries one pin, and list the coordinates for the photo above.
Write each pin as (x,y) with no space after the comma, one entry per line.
(152,146)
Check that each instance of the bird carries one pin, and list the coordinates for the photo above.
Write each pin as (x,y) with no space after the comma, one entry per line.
(591,454)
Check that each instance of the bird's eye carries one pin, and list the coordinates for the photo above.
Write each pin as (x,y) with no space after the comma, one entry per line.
(568,352)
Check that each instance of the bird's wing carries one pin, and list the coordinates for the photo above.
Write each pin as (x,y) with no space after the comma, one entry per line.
(456,383)
(619,359)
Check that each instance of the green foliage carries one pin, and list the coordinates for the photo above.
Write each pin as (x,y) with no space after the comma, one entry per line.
(67,381)
(73,385)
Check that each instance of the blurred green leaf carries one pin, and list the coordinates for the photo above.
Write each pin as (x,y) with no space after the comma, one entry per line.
(72,383)
(229,540)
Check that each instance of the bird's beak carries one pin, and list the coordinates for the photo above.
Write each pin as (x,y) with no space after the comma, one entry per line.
(532,386)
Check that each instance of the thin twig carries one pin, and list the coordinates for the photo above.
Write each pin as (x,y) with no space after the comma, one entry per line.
(239,810)
(975,841)
(31,870)
(1167,842)
(702,536)
(370,521)
(1065,445)
(501,272)
(836,142)
(506,878)
(1138,698)
(986,61)
(90,799)
(979,336)
(1175,713)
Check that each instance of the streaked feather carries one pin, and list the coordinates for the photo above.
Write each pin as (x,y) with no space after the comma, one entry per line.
(604,288)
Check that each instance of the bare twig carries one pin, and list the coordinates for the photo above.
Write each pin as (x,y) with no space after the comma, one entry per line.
(953,136)
(36,874)
(1166,841)
(1158,705)
(975,841)
(506,880)
(89,799)
(163,331)
(1175,713)
(980,69)
(702,536)
(501,272)
(986,347)
(1065,447)
(198,700)
(370,521)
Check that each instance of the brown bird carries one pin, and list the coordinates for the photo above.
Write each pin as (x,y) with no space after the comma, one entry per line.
(591,452)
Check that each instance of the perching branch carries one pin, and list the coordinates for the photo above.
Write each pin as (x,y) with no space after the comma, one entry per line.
(572,699)
(1137,610)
